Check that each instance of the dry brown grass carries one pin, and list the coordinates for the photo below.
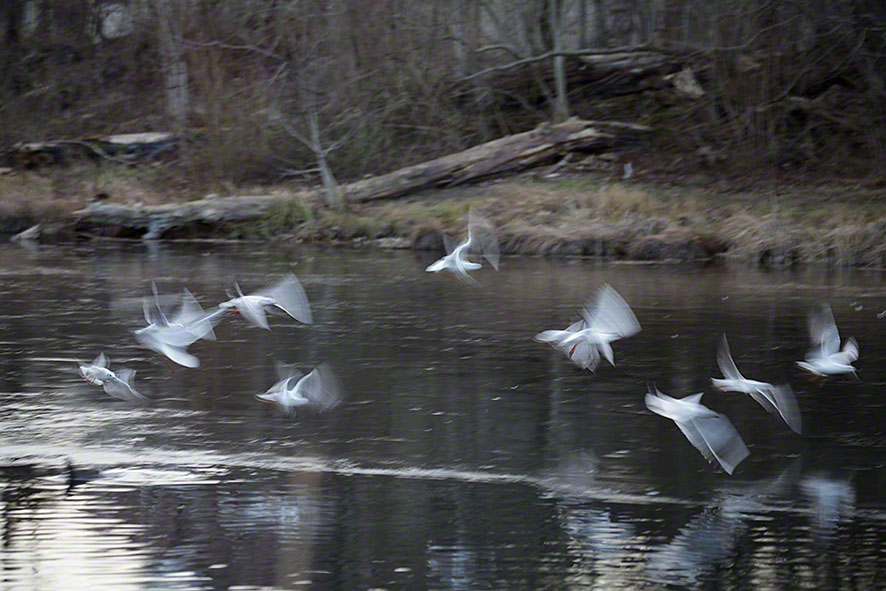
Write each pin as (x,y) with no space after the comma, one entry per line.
(582,217)
(578,216)
(33,196)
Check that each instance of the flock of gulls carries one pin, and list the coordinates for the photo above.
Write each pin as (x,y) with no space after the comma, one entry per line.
(170,334)
(604,319)
(607,317)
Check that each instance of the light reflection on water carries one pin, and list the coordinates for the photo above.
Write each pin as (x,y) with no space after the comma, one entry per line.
(466,456)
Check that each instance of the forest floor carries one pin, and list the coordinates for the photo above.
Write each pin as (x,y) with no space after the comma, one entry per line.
(662,213)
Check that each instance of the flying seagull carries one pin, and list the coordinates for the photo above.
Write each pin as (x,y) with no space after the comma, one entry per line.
(825,357)
(709,432)
(320,389)
(777,400)
(118,385)
(287,295)
(172,336)
(605,318)
(481,240)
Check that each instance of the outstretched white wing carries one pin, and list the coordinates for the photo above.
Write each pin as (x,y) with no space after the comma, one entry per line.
(849,352)
(725,362)
(290,296)
(709,432)
(321,387)
(721,442)
(780,400)
(253,312)
(483,240)
(120,386)
(608,314)
(823,332)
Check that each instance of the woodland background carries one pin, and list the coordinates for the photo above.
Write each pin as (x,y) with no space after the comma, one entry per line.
(262,88)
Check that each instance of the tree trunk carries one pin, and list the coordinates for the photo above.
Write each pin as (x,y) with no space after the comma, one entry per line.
(175,69)
(561,100)
(330,186)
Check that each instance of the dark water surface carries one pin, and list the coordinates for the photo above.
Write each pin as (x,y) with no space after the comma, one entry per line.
(465,456)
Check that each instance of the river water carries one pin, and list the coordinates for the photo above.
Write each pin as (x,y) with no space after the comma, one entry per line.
(465,455)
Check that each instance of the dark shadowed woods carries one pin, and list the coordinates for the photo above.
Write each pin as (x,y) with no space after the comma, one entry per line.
(268,90)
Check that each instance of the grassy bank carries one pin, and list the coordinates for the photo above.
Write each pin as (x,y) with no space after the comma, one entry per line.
(588,215)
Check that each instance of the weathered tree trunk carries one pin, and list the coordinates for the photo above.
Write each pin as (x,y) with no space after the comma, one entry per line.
(504,155)
(149,222)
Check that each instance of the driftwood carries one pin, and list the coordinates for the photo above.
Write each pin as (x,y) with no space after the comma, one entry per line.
(505,155)
(149,222)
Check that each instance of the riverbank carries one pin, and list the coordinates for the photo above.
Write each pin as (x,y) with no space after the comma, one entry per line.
(570,215)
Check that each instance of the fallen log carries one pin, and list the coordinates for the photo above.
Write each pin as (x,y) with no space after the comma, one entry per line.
(505,155)
(150,222)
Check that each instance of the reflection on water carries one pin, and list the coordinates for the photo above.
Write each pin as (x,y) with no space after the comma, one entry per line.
(464,455)
(831,500)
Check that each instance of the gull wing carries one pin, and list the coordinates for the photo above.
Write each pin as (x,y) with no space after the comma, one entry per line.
(437,265)
(716,439)
(461,271)
(277,391)
(158,308)
(449,243)
(849,352)
(101,360)
(176,335)
(321,387)
(555,336)
(709,432)
(676,409)
(153,313)
(725,362)
(780,400)
(290,296)
(120,386)
(253,312)
(823,331)
(189,312)
(608,314)
(192,316)
(286,372)
(213,317)
(483,240)
(177,354)
(552,336)
(583,354)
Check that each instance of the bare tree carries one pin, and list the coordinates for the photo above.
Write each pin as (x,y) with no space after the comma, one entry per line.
(561,100)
